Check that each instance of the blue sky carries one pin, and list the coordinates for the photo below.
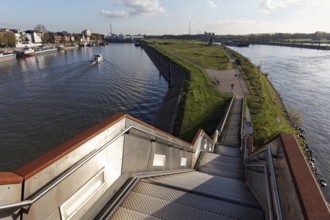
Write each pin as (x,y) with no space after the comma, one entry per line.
(169,16)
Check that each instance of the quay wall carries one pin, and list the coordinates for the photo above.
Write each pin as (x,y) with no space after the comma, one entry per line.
(175,76)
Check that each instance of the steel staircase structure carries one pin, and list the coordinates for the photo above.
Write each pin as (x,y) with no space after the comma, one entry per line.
(123,168)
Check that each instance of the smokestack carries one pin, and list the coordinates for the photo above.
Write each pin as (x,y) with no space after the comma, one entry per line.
(189,27)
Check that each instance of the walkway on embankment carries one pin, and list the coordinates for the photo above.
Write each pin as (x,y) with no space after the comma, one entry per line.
(226,160)
(227,81)
(231,81)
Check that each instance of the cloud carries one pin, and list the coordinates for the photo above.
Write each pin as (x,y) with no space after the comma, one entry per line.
(271,5)
(236,22)
(113,14)
(211,4)
(135,8)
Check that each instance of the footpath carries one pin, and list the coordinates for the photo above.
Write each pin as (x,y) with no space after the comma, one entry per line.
(227,81)
(226,160)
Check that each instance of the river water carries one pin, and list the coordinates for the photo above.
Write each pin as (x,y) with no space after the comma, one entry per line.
(302,78)
(48,99)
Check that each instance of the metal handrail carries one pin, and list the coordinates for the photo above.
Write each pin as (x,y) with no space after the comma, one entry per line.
(274,188)
(268,189)
(61,177)
(227,114)
(242,122)
(106,213)
(274,185)
(160,137)
(57,180)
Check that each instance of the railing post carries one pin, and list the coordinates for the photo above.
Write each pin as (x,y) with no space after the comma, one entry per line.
(274,185)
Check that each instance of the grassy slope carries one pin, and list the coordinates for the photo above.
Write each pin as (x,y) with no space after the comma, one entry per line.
(198,53)
(267,110)
(201,105)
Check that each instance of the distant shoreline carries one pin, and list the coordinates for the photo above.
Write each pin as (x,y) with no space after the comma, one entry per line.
(305,46)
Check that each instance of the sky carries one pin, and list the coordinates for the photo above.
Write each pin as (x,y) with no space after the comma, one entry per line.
(158,17)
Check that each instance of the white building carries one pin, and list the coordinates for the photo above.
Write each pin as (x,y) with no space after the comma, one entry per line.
(87,33)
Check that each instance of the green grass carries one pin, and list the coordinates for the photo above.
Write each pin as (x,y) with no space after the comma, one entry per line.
(198,53)
(201,105)
(267,110)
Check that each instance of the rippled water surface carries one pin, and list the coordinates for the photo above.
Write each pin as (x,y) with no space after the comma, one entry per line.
(302,77)
(47,99)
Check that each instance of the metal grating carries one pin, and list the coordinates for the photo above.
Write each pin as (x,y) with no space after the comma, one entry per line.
(219,186)
(221,165)
(123,213)
(163,209)
(192,195)
(203,203)
(227,151)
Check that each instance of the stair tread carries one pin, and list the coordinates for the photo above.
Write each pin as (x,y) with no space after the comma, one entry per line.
(227,151)
(192,195)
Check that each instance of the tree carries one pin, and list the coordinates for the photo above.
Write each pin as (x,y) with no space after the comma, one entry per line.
(40,28)
(96,37)
(48,37)
(62,39)
(7,39)
(77,37)
(319,35)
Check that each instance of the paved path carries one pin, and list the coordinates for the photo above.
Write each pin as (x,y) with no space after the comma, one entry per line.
(226,78)
(231,81)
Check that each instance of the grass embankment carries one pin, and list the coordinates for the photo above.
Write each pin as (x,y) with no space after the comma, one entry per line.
(268,113)
(196,52)
(201,105)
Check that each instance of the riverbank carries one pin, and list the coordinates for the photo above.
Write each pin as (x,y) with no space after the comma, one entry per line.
(175,76)
(297,45)
(200,105)
(268,113)
(301,77)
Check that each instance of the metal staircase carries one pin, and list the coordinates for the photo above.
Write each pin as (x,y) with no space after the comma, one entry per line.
(222,164)
(192,195)
(215,191)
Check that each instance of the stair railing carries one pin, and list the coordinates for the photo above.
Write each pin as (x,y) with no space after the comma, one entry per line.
(52,184)
(255,178)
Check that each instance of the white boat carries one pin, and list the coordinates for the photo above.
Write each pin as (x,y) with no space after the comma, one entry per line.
(4,57)
(61,47)
(97,58)
(27,51)
(42,50)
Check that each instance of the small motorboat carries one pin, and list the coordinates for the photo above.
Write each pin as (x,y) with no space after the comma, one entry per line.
(26,52)
(97,58)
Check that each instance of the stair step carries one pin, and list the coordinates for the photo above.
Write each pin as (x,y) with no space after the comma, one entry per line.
(221,165)
(227,151)
(124,213)
(212,185)
(232,136)
(192,195)
(164,209)
(227,172)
